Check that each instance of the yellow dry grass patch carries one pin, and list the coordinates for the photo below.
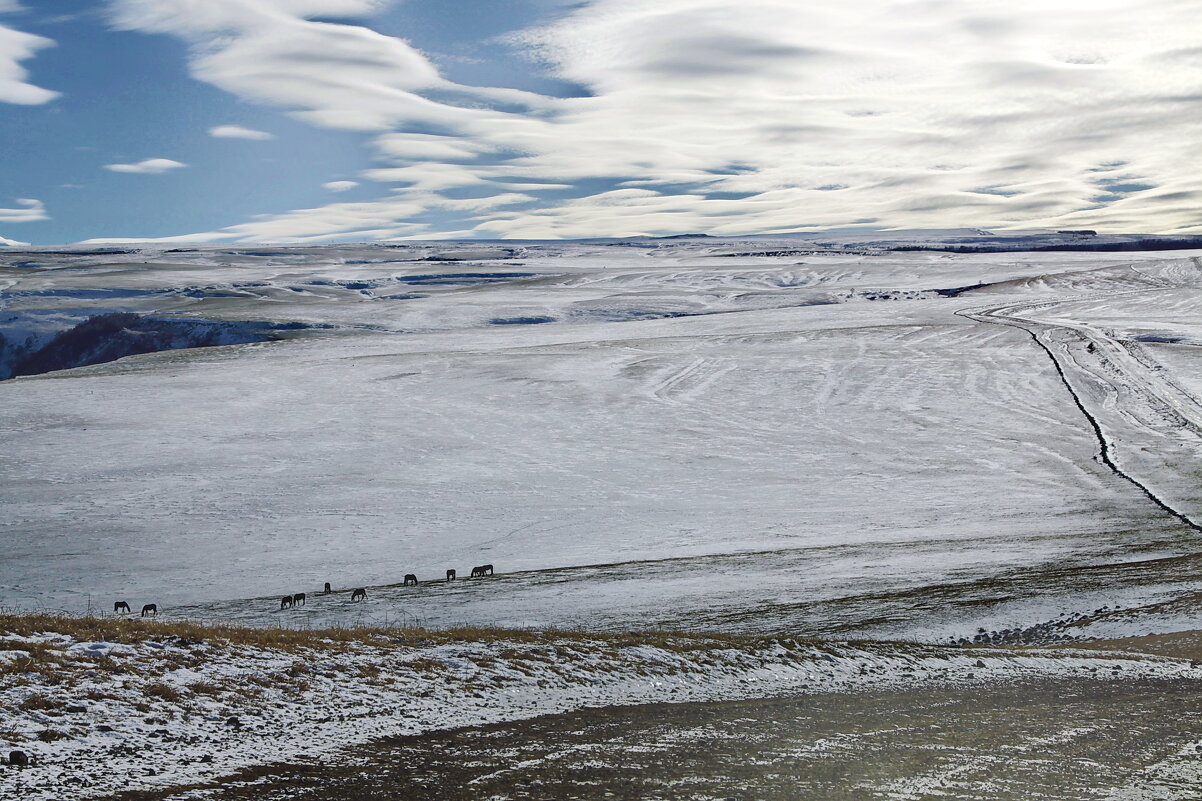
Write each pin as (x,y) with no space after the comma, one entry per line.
(133,631)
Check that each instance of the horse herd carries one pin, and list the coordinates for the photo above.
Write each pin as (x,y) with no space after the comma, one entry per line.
(298,599)
(147,609)
(360,594)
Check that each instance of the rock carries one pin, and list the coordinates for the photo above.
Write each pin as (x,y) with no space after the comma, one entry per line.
(979,663)
(233,721)
(207,759)
(18,758)
(104,727)
(76,709)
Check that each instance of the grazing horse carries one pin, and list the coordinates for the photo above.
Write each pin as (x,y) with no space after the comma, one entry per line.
(359,594)
(327,589)
(298,599)
(410,580)
(482,571)
(150,609)
(450,575)
(120,606)
(286,602)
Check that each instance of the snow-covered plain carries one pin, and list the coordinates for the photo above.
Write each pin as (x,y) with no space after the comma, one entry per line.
(750,435)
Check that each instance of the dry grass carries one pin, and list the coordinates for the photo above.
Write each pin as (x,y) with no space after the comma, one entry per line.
(207,688)
(158,689)
(42,703)
(133,631)
(1181,645)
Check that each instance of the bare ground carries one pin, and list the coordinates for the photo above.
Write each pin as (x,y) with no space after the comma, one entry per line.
(1057,738)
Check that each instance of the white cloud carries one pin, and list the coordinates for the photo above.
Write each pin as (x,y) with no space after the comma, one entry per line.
(743,117)
(340,186)
(147,166)
(238,132)
(360,221)
(333,75)
(12,243)
(28,210)
(15,47)
(909,106)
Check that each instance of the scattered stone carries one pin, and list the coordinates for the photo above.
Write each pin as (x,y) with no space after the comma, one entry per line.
(104,727)
(19,759)
(76,709)
(979,663)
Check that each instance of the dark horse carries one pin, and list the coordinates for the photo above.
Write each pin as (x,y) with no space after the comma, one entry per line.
(359,594)
(150,609)
(286,602)
(410,580)
(120,606)
(327,589)
(450,575)
(481,571)
(298,599)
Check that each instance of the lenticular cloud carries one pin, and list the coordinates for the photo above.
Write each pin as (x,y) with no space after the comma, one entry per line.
(700,115)
(15,47)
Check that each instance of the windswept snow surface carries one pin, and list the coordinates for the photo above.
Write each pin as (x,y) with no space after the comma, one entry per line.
(676,433)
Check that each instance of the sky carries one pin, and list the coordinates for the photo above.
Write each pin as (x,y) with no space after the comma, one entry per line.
(362,120)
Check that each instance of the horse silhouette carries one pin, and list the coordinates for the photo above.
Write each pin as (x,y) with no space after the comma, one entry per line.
(286,602)
(298,599)
(450,575)
(482,571)
(410,580)
(327,589)
(150,609)
(359,594)
(120,606)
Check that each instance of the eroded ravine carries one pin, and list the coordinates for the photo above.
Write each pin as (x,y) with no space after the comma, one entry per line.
(1009,315)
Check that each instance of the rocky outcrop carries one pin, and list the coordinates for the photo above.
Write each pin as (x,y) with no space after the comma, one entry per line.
(108,337)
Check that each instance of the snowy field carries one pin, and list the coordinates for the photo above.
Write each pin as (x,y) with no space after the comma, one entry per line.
(756,436)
